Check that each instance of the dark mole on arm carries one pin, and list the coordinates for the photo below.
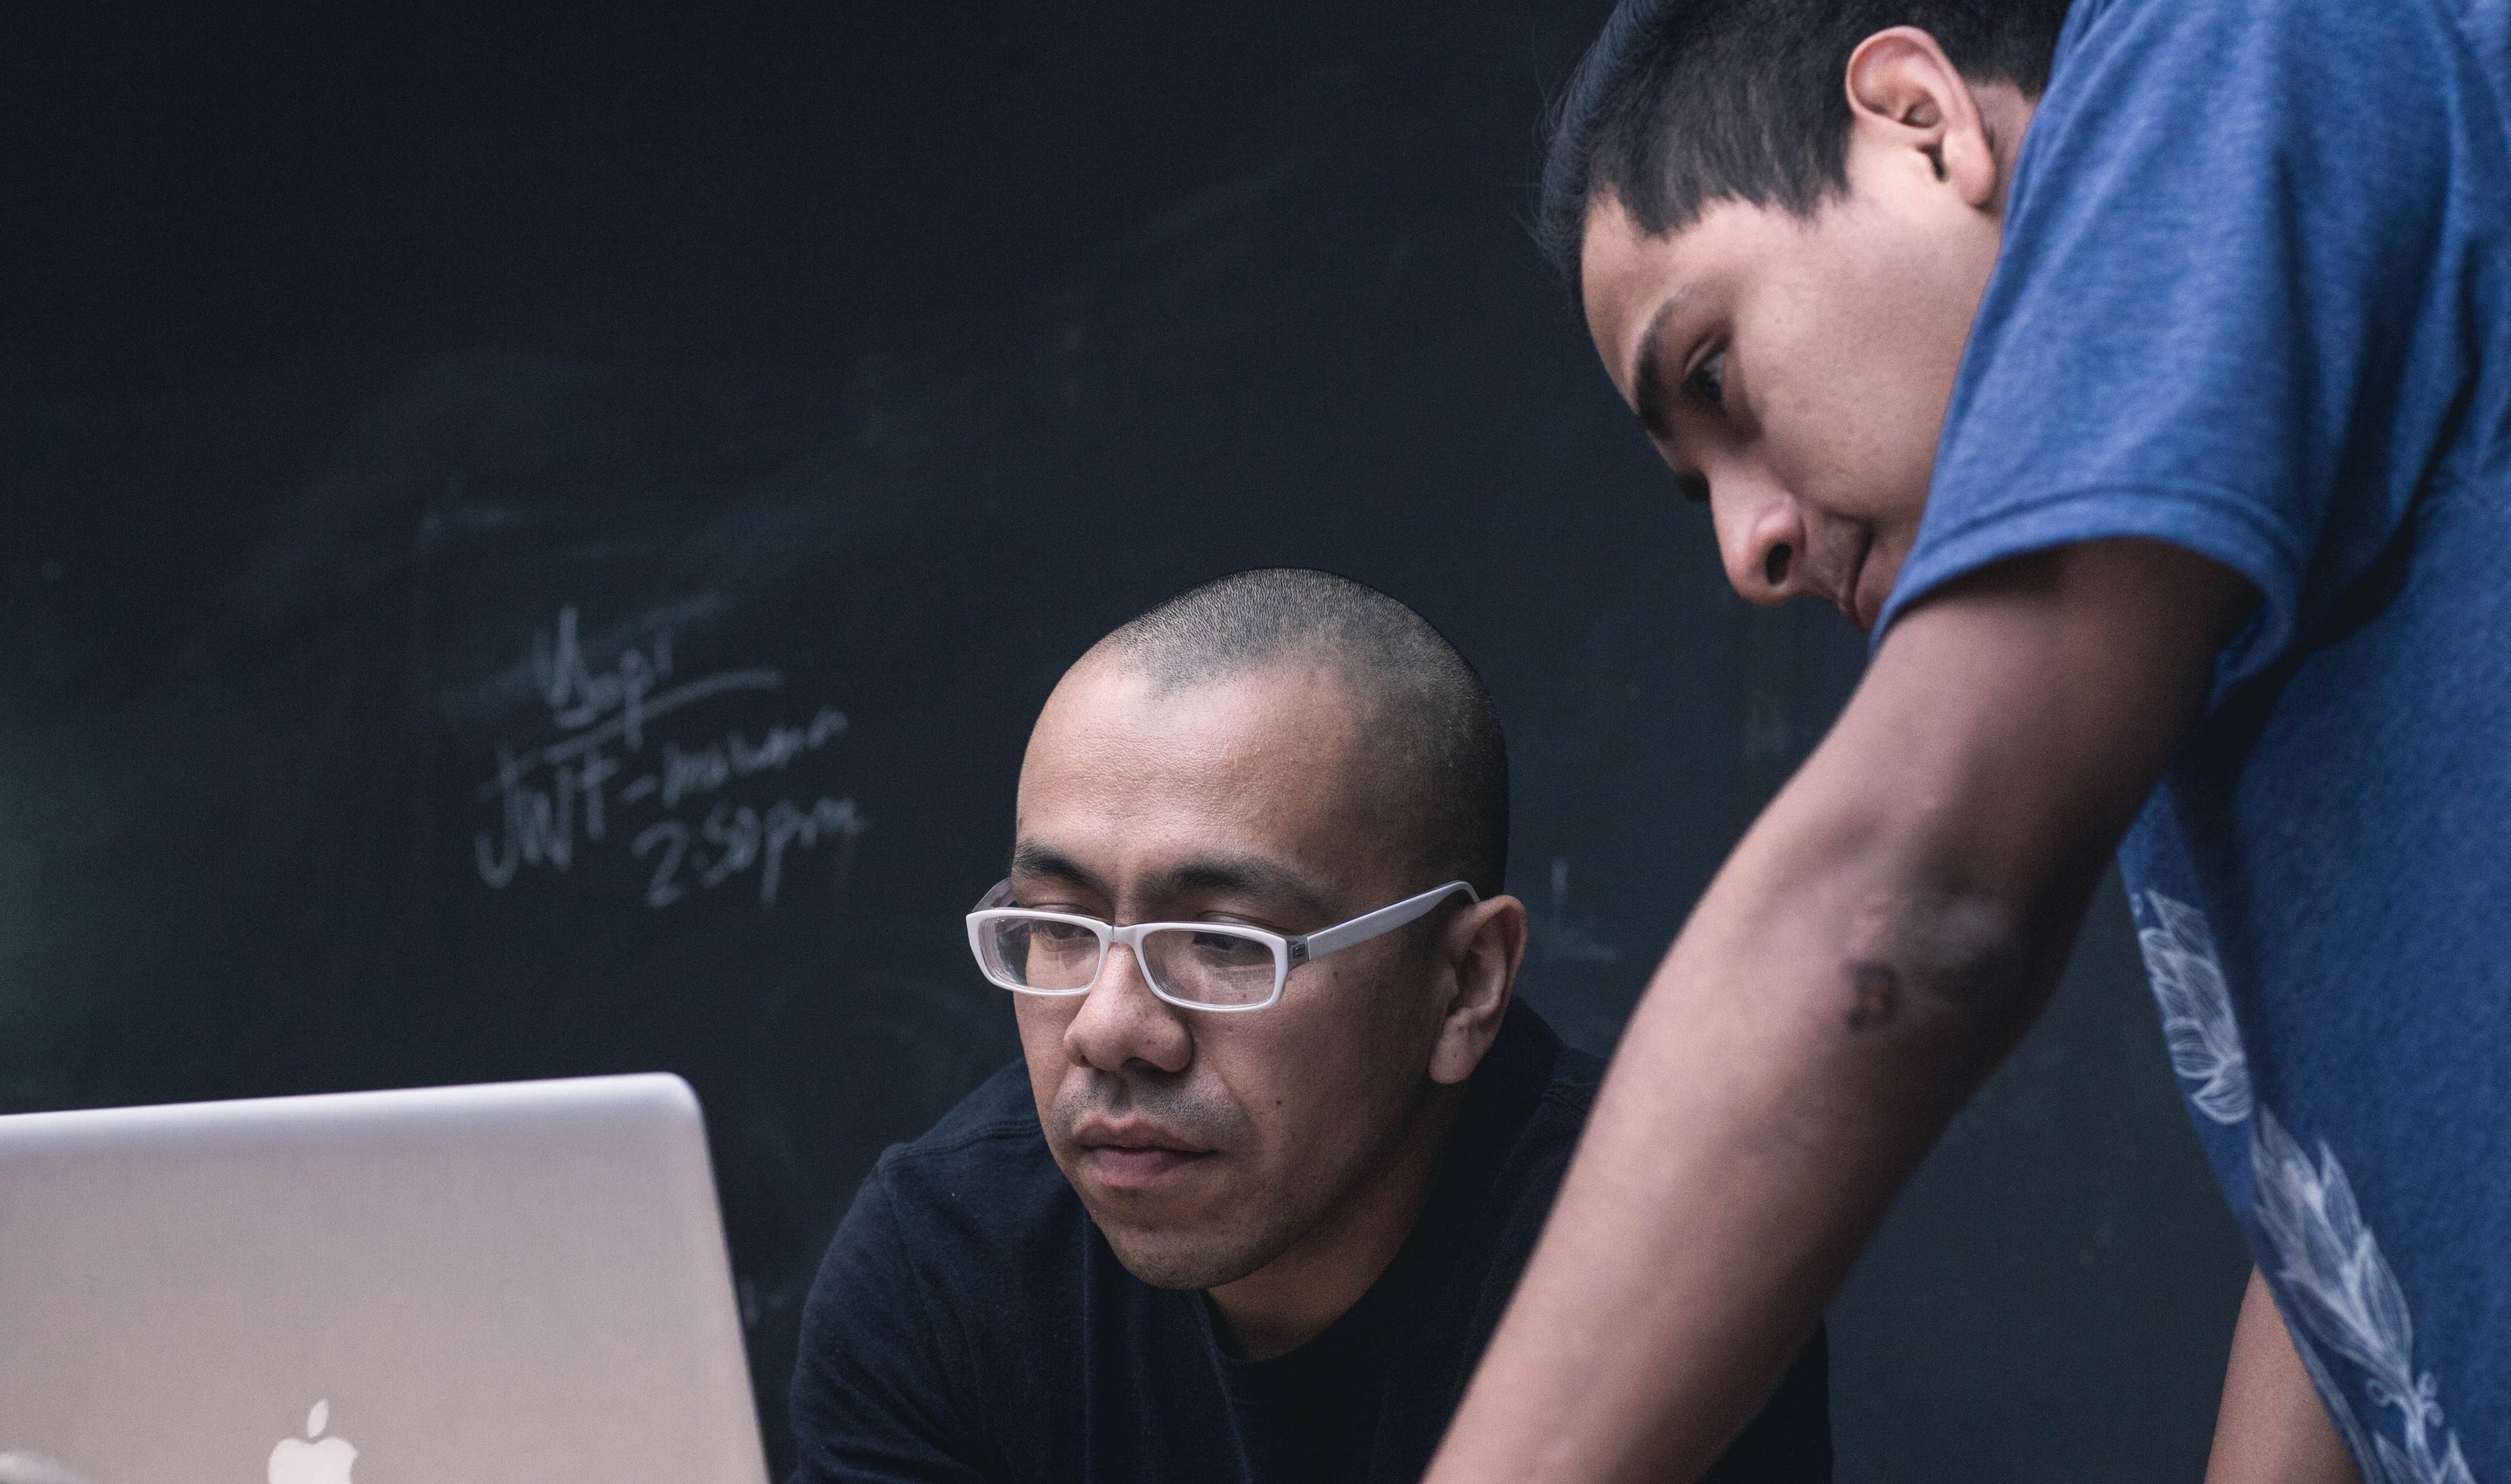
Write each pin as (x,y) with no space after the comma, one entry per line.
(1874,993)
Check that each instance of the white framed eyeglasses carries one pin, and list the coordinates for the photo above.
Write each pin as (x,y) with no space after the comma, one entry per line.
(1196,965)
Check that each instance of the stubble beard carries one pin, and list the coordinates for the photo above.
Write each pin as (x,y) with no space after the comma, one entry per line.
(1236,1235)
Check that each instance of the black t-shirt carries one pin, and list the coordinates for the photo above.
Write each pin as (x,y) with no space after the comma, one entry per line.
(970,1323)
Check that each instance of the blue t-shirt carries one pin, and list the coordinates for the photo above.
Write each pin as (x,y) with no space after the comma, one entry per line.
(2251,300)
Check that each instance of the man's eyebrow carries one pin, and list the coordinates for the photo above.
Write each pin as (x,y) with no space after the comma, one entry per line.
(1030,859)
(1249,874)
(1648,378)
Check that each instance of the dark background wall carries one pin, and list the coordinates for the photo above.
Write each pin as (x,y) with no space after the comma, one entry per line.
(532,541)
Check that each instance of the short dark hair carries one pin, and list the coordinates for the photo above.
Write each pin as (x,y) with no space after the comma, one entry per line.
(1432,712)
(1683,102)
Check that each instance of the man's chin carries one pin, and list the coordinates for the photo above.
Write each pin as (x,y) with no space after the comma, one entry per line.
(1182,1258)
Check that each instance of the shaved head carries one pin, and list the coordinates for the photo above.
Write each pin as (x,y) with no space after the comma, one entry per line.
(1433,734)
(1284,751)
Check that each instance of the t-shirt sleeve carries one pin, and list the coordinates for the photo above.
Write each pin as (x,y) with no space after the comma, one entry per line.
(873,1394)
(2222,306)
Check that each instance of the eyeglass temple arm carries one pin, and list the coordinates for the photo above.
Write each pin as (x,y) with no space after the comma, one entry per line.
(1361,929)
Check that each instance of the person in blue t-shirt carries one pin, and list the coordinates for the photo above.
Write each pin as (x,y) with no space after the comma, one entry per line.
(2141,376)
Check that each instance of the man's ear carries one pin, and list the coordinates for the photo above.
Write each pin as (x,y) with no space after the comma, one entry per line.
(1908,100)
(1482,948)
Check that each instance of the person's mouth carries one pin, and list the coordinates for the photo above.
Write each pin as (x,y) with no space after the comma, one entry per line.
(1851,608)
(1134,1155)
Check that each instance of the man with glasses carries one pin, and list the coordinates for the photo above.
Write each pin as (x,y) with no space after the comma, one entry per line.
(1283,1141)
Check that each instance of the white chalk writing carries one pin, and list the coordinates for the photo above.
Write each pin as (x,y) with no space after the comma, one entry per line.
(610,769)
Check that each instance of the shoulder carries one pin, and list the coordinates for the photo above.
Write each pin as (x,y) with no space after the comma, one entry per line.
(1551,1083)
(946,1230)
(955,1211)
(1539,1153)
(2096,27)
(995,1121)
(982,1178)
(935,1272)
(1529,1103)
(2258,74)
(2238,88)
(1576,1076)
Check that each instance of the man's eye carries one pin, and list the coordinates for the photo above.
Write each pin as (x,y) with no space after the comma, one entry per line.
(1230,948)
(1708,380)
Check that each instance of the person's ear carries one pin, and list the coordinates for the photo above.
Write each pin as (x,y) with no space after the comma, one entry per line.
(1908,100)
(1482,948)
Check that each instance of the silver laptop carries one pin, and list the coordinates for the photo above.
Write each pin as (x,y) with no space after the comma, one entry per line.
(522,1284)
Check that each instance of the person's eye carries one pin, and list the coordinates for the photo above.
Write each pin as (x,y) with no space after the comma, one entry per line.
(1230,948)
(1707,382)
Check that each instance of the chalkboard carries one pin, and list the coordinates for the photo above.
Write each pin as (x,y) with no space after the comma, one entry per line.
(532,548)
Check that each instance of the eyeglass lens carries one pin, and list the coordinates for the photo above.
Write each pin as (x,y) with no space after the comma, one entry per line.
(1037,954)
(1200,965)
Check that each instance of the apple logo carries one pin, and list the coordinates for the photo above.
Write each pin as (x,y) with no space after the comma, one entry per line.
(306,1460)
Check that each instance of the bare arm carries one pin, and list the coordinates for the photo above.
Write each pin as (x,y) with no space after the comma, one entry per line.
(2273,1428)
(1881,937)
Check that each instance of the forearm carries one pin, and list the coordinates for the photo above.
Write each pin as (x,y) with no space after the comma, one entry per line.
(1821,1017)
(2273,1428)
(1884,934)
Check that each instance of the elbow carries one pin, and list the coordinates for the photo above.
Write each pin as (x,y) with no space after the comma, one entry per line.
(1966,964)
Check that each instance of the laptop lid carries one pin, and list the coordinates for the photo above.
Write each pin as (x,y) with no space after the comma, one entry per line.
(517,1284)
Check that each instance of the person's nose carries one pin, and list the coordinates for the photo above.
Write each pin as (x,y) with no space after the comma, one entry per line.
(1121,1022)
(1760,537)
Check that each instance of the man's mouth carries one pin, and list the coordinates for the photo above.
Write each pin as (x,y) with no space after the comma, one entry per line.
(1849,607)
(1134,1155)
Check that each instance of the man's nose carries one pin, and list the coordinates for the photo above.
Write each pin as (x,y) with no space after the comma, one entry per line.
(1121,1022)
(1760,538)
